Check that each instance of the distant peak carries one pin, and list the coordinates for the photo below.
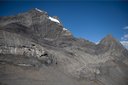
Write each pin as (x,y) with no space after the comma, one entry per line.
(39,10)
(36,10)
(109,39)
(109,35)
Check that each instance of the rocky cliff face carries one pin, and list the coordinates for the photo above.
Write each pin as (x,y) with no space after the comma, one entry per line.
(37,49)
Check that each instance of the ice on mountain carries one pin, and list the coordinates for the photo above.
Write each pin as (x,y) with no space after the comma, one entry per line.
(38,10)
(54,20)
(64,29)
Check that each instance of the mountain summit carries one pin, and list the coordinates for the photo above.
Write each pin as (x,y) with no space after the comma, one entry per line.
(37,49)
(109,39)
(38,22)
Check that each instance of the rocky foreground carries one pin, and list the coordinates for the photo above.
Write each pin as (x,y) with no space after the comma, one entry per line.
(36,49)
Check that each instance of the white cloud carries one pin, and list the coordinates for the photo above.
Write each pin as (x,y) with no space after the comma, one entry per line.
(125,37)
(126,27)
(97,43)
(122,38)
(124,43)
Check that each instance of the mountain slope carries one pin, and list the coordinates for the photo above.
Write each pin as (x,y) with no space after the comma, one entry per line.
(37,44)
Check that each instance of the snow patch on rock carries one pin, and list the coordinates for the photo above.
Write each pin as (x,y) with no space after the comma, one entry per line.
(54,20)
(64,29)
(38,10)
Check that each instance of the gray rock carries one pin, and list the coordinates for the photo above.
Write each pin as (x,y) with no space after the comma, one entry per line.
(43,53)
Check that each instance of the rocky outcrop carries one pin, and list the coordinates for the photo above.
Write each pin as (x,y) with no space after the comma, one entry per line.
(26,51)
(12,43)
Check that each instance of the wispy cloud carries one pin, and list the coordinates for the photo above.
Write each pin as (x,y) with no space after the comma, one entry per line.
(97,43)
(126,27)
(125,37)
(124,43)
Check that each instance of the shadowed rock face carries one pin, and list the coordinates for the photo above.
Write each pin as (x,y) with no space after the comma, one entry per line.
(36,49)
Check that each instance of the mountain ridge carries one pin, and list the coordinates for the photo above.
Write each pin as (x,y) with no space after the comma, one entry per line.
(34,10)
(43,50)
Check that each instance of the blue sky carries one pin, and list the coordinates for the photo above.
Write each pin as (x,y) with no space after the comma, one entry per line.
(91,20)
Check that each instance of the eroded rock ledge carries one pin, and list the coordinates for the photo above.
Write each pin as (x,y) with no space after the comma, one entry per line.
(11,43)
